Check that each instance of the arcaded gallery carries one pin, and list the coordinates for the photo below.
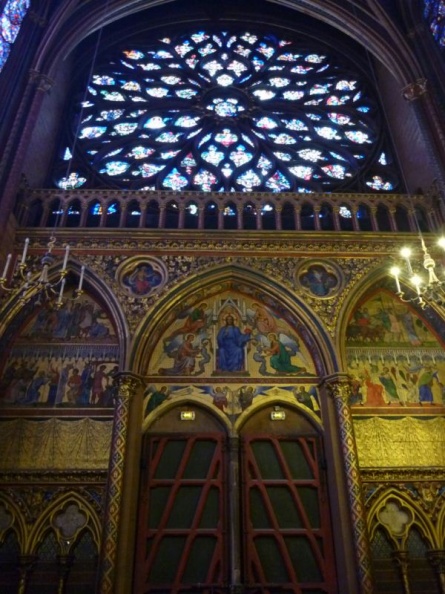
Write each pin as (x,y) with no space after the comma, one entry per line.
(222,297)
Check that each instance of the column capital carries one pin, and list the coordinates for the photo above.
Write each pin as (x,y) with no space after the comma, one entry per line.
(338,386)
(126,383)
(414,90)
(41,81)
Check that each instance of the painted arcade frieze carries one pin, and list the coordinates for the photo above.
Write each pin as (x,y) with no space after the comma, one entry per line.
(62,357)
(394,358)
(230,337)
(232,399)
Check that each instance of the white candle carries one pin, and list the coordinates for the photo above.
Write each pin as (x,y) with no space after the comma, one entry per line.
(6,268)
(82,272)
(65,261)
(25,250)
(395,272)
(62,287)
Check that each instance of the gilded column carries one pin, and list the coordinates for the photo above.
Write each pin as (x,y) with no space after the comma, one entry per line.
(127,385)
(339,388)
(402,560)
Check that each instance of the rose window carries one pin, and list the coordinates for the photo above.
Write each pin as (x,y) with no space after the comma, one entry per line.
(228,112)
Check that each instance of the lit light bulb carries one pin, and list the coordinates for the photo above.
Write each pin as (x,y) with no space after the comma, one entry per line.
(441,242)
(405,252)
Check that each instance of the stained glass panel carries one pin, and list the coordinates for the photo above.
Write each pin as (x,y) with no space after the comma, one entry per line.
(231,111)
(434,13)
(11,19)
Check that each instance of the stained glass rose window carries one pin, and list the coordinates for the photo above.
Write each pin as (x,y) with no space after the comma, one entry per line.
(228,112)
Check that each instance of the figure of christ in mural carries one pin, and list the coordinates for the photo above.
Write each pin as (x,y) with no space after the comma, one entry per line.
(231,342)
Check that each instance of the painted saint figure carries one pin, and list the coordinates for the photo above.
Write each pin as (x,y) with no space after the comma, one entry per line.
(231,342)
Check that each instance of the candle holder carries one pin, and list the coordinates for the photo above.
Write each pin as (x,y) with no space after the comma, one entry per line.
(24,284)
(430,290)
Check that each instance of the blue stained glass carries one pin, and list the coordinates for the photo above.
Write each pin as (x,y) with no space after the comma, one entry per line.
(114,96)
(279,82)
(226,137)
(125,128)
(112,114)
(149,66)
(208,113)
(115,167)
(158,92)
(9,31)
(188,162)
(213,156)
(198,37)
(240,155)
(278,183)
(73,181)
(169,154)
(311,155)
(434,13)
(133,54)
(288,57)
(169,137)
(103,80)
(327,132)
(357,136)
(293,95)
(315,58)
(264,165)
(225,80)
(283,138)
(140,152)
(205,180)
(175,181)
(339,118)
(183,48)
(336,170)
(264,94)
(131,85)
(266,123)
(67,155)
(14,12)
(249,179)
(227,170)
(378,183)
(302,171)
(5,49)
(186,121)
(149,169)
(92,132)
(155,123)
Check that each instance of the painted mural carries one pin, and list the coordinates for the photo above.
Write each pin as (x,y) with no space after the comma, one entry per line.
(62,357)
(230,336)
(394,359)
(232,399)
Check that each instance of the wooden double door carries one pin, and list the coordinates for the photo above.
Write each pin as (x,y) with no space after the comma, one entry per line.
(249,513)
